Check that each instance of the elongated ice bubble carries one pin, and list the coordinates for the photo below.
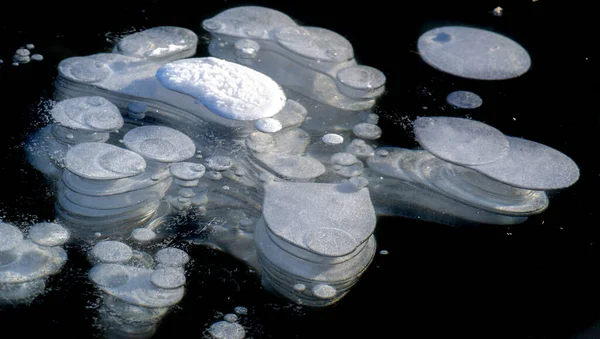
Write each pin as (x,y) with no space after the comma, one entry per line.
(464,99)
(473,53)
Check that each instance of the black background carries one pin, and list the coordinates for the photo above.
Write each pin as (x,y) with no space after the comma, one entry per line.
(535,280)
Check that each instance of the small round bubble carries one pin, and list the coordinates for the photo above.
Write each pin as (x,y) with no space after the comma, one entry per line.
(332,139)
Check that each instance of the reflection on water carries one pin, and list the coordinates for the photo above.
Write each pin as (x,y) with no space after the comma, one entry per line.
(283,171)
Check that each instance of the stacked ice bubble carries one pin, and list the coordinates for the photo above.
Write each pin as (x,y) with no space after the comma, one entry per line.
(475,164)
(25,264)
(314,240)
(138,289)
(315,62)
(229,328)
(76,120)
(291,191)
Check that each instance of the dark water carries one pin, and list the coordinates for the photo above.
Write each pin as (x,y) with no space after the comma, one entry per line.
(534,280)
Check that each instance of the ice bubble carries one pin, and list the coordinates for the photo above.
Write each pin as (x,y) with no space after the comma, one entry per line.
(109,275)
(293,167)
(160,143)
(361,81)
(299,287)
(37,57)
(315,43)
(324,291)
(384,252)
(332,139)
(268,125)
(84,69)
(240,310)
(159,43)
(29,46)
(230,318)
(531,165)
(101,161)
(473,53)
(360,149)
(112,251)
(353,170)
(91,113)
(344,159)
(22,56)
(48,234)
(461,141)
(382,153)
(229,90)
(246,48)
(464,99)
(213,175)
(359,182)
(143,234)
(260,142)
(241,21)
(367,131)
(187,170)
(227,330)
(172,257)
(218,163)
(10,237)
(168,278)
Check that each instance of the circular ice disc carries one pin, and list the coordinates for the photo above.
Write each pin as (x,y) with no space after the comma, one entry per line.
(331,242)
(464,99)
(324,291)
(226,330)
(160,143)
(168,278)
(227,89)
(87,113)
(187,170)
(10,237)
(48,234)
(84,69)
(367,131)
(268,125)
(361,77)
(109,275)
(112,251)
(473,53)
(100,161)
(461,141)
(532,165)
(172,257)
(314,43)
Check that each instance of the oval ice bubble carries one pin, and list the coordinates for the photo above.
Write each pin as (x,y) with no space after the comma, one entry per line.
(218,163)
(230,318)
(48,234)
(84,69)
(464,99)
(367,131)
(324,291)
(187,170)
(91,113)
(473,53)
(160,43)
(332,139)
(344,159)
(226,330)
(102,161)
(314,43)
(143,234)
(160,143)
(10,237)
(247,22)
(361,82)
(168,278)
(112,252)
(227,89)
(461,141)
(531,165)
(172,257)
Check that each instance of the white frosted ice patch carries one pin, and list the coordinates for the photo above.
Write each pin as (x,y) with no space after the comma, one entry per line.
(268,125)
(229,90)
(112,251)
(101,161)
(332,139)
(226,330)
(473,53)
